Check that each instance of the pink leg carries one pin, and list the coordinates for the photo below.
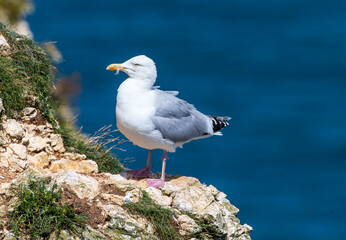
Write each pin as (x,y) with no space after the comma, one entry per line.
(143,172)
(159,182)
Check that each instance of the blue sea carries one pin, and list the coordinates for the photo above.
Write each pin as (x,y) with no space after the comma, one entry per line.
(277,67)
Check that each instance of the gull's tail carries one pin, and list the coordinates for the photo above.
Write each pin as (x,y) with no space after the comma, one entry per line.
(219,123)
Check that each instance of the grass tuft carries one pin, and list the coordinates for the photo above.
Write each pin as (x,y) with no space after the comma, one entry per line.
(39,211)
(94,148)
(160,217)
(26,76)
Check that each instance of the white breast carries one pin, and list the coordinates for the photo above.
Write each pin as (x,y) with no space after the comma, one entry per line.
(134,111)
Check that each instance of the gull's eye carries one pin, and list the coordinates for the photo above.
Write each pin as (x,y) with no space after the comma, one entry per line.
(136,65)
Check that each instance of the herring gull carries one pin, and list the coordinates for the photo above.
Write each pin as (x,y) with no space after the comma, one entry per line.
(156,119)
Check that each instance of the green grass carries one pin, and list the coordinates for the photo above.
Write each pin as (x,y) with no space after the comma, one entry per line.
(39,211)
(160,217)
(25,76)
(26,73)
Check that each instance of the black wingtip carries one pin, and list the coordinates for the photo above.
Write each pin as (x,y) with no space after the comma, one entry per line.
(219,122)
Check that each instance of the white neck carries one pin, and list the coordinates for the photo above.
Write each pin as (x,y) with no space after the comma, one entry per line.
(146,83)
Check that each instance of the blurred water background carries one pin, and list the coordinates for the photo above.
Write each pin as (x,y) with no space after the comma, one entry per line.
(277,67)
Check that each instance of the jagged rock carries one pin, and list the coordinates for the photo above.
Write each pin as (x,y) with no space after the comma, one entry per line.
(29,133)
(183,182)
(158,197)
(45,129)
(3,42)
(188,225)
(4,187)
(133,195)
(14,129)
(192,198)
(17,164)
(169,189)
(213,214)
(19,150)
(113,210)
(39,160)
(213,190)
(141,184)
(37,144)
(3,160)
(29,113)
(3,138)
(86,166)
(85,234)
(241,232)
(13,161)
(111,198)
(74,156)
(121,228)
(228,206)
(120,182)
(220,196)
(27,175)
(57,143)
(84,186)
(92,234)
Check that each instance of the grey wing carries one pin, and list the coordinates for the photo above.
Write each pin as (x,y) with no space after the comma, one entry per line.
(178,120)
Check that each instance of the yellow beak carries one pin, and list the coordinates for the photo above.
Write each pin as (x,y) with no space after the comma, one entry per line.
(114,67)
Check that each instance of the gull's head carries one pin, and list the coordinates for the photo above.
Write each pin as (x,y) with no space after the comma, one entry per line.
(139,67)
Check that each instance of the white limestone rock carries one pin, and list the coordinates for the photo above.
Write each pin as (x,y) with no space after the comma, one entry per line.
(4,188)
(158,197)
(14,129)
(86,166)
(25,176)
(120,182)
(192,198)
(29,113)
(56,142)
(188,225)
(4,139)
(3,160)
(39,160)
(85,187)
(74,156)
(214,214)
(3,42)
(37,144)
(19,150)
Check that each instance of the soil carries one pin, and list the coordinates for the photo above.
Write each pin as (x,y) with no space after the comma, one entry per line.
(6,175)
(84,207)
(39,119)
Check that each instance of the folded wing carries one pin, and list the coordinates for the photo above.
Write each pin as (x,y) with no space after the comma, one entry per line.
(179,121)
